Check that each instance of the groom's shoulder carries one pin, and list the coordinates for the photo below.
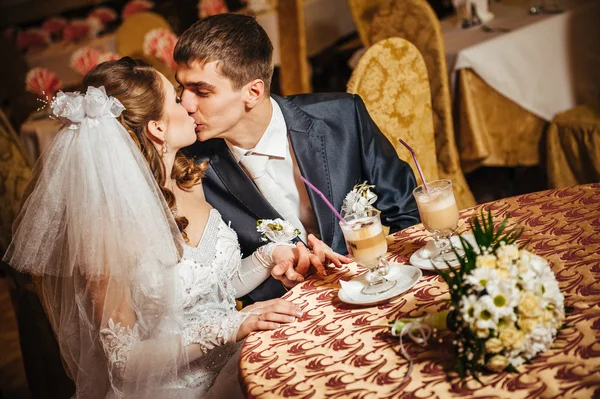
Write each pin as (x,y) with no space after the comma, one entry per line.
(204,150)
(321,103)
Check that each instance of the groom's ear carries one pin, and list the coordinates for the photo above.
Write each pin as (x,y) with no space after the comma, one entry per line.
(254,92)
(156,131)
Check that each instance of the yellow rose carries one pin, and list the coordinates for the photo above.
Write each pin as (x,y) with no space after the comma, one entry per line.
(511,337)
(523,266)
(530,306)
(504,274)
(486,261)
(497,363)
(482,333)
(493,345)
(528,324)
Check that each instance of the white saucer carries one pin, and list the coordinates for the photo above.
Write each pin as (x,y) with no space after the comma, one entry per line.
(421,257)
(405,276)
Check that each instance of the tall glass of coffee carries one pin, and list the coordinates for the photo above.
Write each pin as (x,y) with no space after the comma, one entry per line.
(367,245)
(439,214)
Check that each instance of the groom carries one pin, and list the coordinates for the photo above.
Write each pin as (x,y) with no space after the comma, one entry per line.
(258,145)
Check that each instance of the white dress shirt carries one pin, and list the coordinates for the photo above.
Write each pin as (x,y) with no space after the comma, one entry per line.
(282,167)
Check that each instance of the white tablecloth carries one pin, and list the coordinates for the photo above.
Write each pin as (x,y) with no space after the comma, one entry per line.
(546,63)
(326,22)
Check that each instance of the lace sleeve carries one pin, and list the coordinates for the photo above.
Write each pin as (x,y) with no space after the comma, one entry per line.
(117,342)
(213,330)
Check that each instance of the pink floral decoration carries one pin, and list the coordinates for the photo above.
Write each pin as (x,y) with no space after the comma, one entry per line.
(160,43)
(108,56)
(84,59)
(77,29)
(33,37)
(43,82)
(54,26)
(9,33)
(135,7)
(105,14)
(207,8)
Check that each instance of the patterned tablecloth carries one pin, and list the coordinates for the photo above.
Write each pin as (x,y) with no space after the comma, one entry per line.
(342,351)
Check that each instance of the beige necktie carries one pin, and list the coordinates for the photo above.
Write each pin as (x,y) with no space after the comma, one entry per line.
(256,166)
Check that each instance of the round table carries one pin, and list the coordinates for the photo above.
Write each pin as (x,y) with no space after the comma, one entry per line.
(337,350)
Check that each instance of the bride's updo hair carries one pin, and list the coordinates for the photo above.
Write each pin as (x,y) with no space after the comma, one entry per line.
(139,88)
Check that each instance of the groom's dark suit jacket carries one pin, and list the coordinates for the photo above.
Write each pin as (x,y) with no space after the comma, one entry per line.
(337,145)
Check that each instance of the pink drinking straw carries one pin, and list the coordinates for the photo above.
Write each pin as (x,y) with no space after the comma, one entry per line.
(416,163)
(316,190)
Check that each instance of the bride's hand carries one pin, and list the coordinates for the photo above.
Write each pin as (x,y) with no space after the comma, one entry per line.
(268,315)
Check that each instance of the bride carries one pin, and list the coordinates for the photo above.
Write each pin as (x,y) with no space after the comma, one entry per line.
(137,272)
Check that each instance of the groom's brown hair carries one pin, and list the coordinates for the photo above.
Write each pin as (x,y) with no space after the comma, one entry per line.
(237,42)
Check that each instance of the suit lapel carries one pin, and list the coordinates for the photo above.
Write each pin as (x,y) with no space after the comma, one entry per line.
(240,185)
(308,143)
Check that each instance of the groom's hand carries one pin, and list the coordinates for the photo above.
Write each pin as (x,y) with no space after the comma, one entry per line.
(325,255)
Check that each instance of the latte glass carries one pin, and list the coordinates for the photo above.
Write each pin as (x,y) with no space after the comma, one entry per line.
(367,245)
(439,214)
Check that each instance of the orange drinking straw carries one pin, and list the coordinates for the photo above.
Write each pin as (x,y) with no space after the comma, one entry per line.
(416,163)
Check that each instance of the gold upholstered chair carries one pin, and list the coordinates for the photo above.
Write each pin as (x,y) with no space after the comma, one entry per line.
(573,148)
(130,39)
(363,12)
(294,69)
(391,78)
(415,21)
(41,357)
(15,171)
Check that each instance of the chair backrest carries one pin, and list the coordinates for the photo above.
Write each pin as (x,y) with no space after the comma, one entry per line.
(294,71)
(363,12)
(15,172)
(391,78)
(131,33)
(415,21)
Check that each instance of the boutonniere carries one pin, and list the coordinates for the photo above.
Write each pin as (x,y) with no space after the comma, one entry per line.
(276,230)
(360,199)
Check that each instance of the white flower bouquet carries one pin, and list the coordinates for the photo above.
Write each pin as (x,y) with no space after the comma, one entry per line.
(505,303)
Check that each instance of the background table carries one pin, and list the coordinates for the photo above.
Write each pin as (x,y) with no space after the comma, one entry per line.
(342,351)
(511,79)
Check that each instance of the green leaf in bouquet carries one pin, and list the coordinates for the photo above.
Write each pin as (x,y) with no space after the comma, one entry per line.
(511,369)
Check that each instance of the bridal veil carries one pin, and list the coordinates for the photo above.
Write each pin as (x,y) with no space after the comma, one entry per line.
(99,239)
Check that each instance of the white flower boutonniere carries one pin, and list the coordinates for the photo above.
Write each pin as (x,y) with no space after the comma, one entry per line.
(360,199)
(277,230)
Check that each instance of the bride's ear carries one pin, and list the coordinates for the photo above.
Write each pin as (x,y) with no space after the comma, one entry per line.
(156,131)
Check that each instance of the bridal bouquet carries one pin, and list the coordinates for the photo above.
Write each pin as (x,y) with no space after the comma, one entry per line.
(360,199)
(505,303)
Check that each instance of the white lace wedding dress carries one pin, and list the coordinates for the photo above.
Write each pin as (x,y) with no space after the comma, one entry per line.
(211,275)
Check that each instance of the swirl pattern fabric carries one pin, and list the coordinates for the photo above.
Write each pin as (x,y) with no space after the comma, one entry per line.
(342,351)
